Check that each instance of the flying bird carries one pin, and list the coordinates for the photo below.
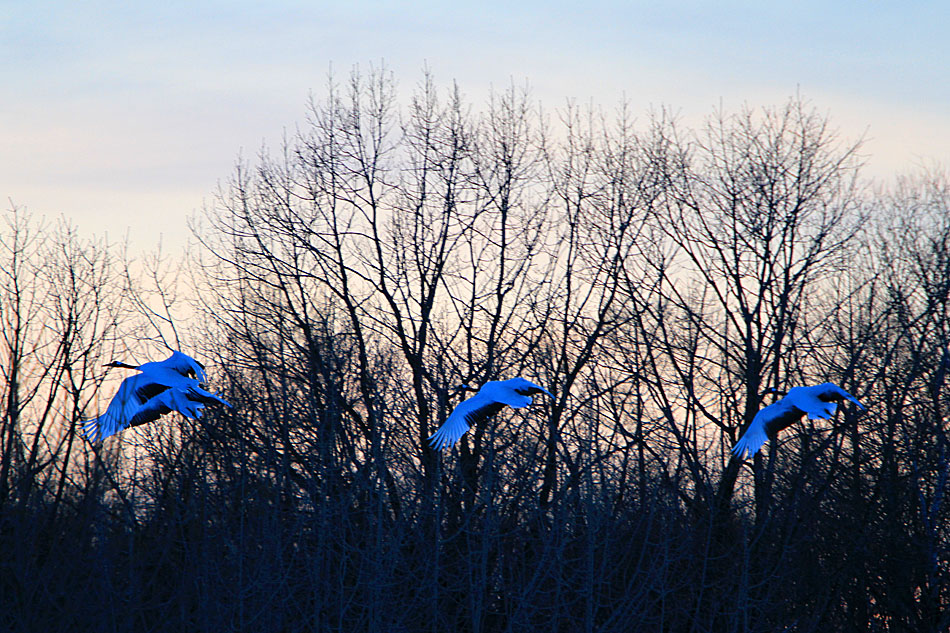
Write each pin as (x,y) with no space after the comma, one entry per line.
(819,402)
(490,399)
(162,387)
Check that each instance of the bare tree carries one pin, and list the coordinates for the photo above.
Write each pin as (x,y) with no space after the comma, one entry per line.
(657,279)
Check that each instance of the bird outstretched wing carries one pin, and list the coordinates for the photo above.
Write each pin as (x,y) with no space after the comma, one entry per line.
(178,370)
(140,400)
(133,392)
(526,387)
(768,421)
(467,414)
(750,442)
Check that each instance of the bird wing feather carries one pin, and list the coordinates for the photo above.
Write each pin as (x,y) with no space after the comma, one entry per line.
(468,413)
(133,392)
(198,394)
(768,421)
(752,440)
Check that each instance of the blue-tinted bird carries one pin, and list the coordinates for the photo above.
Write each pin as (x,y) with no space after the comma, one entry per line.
(819,402)
(162,387)
(490,399)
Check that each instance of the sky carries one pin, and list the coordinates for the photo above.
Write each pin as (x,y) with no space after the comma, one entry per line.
(123,117)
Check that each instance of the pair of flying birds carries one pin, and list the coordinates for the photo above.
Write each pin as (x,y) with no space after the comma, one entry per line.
(160,387)
(818,402)
(174,384)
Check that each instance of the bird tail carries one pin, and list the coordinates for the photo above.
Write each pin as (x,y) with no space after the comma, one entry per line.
(750,442)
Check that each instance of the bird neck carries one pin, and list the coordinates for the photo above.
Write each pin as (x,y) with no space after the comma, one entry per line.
(117,363)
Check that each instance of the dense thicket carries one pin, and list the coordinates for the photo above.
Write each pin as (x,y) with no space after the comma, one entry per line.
(656,279)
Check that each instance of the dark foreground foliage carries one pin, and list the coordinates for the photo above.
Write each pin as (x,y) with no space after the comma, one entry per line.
(657,281)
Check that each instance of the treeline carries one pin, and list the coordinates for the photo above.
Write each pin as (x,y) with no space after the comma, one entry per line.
(656,279)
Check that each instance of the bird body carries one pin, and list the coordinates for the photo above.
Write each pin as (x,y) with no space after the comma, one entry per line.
(175,366)
(490,399)
(818,402)
(164,386)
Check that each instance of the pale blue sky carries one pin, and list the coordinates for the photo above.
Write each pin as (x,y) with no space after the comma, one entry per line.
(124,116)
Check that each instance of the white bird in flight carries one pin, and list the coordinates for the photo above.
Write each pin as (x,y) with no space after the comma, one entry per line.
(490,399)
(173,384)
(819,402)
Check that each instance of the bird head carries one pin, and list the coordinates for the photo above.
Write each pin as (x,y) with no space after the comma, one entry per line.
(118,363)
(528,388)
